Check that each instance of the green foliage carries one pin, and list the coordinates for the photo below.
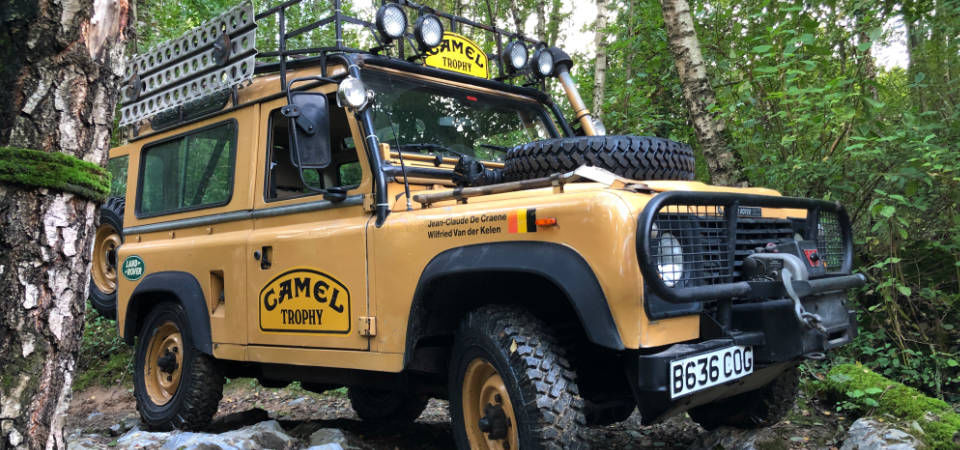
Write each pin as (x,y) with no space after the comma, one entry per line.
(861,391)
(809,114)
(105,360)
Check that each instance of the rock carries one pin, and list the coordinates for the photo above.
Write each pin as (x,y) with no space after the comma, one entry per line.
(137,438)
(85,442)
(94,416)
(870,434)
(326,447)
(238,420)
(726,438)
(326,436)
(267,434)
(297,402)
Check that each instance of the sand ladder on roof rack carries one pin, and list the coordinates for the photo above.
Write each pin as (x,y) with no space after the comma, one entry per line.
(215,57)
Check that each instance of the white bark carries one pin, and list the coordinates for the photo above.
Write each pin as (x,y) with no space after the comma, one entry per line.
(600,67)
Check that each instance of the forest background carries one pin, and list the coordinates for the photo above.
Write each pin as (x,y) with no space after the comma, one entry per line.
(807,111)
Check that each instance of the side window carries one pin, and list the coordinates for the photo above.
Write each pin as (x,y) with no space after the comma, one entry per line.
(283,179)
(118,175)
(188,172)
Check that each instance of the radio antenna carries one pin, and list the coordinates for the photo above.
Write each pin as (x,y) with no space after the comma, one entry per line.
(403,167)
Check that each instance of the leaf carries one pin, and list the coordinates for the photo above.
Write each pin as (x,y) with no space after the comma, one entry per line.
(873,390)
(873,103)
(856,393)
(888,211)
(766,69)
(952,363)
(871,402)
(906,291)
(863,46)
(762,48)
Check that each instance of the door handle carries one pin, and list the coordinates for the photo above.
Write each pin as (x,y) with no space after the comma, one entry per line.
(265,256)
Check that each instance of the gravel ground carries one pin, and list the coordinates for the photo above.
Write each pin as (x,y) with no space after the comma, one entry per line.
(301,413)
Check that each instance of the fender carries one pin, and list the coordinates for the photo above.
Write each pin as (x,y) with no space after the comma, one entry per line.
(560,265)
(181,286)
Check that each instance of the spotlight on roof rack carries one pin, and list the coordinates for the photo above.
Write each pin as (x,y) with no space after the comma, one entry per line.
(429,31)
(516,56)
(391,21)
(544,62)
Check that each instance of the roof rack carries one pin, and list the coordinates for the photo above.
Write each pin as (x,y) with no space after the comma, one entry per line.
(222,53)
(216,56)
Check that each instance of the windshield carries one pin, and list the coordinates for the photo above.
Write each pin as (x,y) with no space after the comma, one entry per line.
(432,118)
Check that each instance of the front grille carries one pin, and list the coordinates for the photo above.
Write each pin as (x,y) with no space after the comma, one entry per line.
(691,246)
(704,246)
(830,241)
(758,232)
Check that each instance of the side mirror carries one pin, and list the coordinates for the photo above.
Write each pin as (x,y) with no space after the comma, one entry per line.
(309,128)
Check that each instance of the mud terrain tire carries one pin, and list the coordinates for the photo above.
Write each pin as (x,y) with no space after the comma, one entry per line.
(634,157)
(529,366)
(104,270)
(386,408)
(760,408)
(190,397)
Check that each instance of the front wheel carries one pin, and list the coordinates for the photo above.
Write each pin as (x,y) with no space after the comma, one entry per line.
(759,408)
(510,385)
(175,385)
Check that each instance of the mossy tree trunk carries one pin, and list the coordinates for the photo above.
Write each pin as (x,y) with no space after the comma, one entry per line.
(60,71)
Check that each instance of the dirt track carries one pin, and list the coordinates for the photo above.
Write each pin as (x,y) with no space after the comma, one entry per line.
(301,413)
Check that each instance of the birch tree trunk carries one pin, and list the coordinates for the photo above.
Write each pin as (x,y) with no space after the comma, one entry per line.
(59,76)
(723,164)
(600,66)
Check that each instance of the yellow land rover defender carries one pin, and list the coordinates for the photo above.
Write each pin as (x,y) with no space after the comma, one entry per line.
(418,219)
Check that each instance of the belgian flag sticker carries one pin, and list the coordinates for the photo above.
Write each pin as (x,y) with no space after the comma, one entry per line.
(522,221)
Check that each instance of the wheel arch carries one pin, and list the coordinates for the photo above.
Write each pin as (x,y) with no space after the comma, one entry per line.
(542,268)
(181,287)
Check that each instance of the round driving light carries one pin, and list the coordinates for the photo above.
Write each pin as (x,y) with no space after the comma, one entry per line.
(391,21)
(428,31)
(544,60)
(516,55)
(352,93)
(669,259)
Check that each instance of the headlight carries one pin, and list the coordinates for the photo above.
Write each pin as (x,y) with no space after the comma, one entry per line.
(516,56)
(428,31)
(669,257)
(391,21)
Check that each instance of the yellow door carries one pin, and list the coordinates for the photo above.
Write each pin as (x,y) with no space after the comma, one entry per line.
(307,269)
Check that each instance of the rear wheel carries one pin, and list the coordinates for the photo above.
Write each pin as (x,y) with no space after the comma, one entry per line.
(103,268)
(175,385)
(760,408)
(510,385)
(386,407)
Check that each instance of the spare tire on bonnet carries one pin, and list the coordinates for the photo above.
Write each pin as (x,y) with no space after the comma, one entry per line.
(633,157)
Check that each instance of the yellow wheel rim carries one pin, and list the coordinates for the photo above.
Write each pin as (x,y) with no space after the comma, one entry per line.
(487,412)
(104,267)
(162,369)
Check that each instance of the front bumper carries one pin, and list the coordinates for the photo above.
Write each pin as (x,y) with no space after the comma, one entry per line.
(778,339)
